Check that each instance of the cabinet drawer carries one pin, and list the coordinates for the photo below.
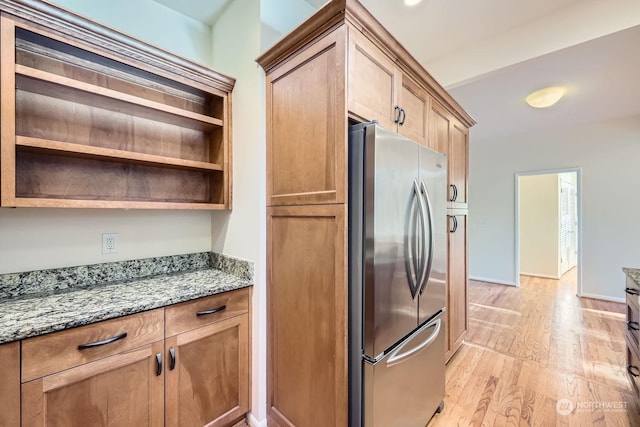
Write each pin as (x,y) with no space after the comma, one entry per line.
(55,352)
(204,311)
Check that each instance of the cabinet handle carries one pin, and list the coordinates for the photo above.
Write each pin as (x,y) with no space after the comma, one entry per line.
(172,355)
(158,364)
(103,342)
(631,370)
(454,222)
(404,116)
(454,192)
(634,326)
(632,291)
(213,310)
(396,109)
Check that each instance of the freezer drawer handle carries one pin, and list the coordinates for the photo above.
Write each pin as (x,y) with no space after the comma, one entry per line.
(632,291)
(103,342)
(396,358)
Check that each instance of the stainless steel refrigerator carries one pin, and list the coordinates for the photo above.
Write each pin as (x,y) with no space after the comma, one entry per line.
(397,275)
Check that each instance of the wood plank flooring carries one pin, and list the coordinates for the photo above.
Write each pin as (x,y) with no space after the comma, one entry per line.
(539,356)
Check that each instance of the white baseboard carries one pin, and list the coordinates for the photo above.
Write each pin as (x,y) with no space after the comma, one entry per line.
(604,297)
(499,282)
(253,422)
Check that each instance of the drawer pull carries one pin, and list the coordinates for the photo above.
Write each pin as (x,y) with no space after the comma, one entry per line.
(172,355)
(103,342)
(213,310)
(633,370)
(632,291)
(634,326)
(158,364)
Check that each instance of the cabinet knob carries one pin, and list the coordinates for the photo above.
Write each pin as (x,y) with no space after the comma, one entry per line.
(396,109)
(634,326)
(403,115)
(633,371)
(632,291)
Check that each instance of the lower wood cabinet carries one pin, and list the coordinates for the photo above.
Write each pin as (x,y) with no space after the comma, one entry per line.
(121,390)
(207,368)
(306,300)
(124,372)
(10,384)
(632,335)
(457,299)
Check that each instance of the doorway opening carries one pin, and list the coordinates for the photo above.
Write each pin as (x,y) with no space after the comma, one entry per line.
(548,226)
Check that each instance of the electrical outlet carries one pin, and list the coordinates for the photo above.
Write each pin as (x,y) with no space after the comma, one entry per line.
(109,243)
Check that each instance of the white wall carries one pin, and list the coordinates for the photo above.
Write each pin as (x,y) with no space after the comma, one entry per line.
(241,233)
(151,22)
(32,239)
(539,225)
(607,153)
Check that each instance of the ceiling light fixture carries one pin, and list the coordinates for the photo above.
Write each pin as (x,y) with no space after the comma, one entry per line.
(411,2)
(546,97)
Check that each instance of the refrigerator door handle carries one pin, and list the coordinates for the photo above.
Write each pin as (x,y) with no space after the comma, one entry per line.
(415,248)
(427,226)
(397,356)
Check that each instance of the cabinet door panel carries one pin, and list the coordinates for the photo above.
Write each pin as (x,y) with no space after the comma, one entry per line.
(10,384)
(373,82)
(457,302)
(458,163)
(209,383)
(306,126)
(415,103)
(307,295)
(439,125)
(118,391)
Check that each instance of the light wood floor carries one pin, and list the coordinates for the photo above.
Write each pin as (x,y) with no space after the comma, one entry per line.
(532,347)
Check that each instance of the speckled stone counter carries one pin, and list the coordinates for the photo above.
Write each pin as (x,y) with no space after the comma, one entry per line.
(39,302)
(633,273)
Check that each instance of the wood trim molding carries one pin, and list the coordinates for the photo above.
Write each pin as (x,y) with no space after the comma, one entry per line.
(337,12)
(91,33)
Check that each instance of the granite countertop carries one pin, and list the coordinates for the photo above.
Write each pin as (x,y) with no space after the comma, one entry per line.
(633,273)
(36,303)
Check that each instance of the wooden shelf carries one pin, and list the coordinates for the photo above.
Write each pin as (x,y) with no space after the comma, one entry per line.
(93,119)
(107,153)
(65,88)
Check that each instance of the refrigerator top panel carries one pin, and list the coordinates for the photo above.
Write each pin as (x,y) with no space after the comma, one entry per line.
(394,245)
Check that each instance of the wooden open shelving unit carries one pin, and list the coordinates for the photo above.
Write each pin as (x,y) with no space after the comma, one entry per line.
(92,118)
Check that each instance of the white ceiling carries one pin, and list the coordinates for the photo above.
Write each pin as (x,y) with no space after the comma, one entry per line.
(489,54)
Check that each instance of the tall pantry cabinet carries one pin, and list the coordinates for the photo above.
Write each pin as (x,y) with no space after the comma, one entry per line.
(338,67)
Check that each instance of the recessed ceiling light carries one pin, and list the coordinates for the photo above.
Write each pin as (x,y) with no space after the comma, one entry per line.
(546,97)
(411,2)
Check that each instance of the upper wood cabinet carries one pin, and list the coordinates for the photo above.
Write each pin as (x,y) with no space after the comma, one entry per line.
(379,90)
(448,135)
(91,118)
(306,156)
